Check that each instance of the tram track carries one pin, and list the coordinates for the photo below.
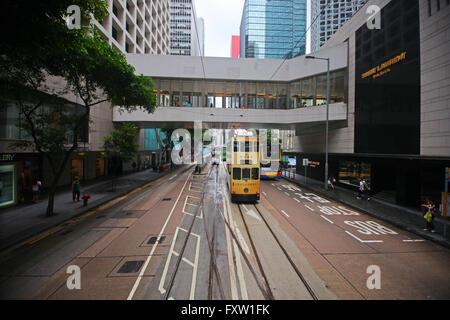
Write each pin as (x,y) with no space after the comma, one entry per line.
(263,281)
(213,269)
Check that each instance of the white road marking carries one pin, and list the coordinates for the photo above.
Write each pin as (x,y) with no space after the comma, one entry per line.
(172,177)
(194,264)
(309,207)
(287,194)
(327,219)
(297,200)
(264,193)
(253,214)
(282,211)
(413,240)
(138,280)
(363,241)
(234,294)
(240,272)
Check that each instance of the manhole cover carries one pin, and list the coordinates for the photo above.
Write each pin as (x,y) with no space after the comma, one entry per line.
(131,267)
(167,199)
(152,240)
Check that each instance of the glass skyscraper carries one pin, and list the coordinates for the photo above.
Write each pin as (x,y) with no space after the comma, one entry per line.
(273,29)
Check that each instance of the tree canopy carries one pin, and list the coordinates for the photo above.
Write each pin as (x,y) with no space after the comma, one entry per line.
(36,46)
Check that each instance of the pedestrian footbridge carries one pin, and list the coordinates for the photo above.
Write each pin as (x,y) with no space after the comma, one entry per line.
(229,93)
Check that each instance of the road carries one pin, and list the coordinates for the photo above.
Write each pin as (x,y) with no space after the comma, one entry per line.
(182,238)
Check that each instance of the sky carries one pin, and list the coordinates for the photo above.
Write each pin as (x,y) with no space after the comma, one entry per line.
(222,20)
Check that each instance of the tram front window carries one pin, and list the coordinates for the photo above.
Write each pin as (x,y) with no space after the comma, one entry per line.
(255,173)
(236,173)
(246,174)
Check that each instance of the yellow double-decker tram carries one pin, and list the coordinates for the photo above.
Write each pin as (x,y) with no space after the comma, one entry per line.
(244,169)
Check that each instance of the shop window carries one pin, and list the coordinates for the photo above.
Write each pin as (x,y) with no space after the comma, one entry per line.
(7,185)
(100,167)
(77,168)
(351,172)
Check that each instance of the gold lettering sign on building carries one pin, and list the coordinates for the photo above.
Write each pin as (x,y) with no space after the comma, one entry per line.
(383,68)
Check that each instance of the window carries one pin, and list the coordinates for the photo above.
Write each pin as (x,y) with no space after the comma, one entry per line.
(236,173)
(248,146)
(256,146)
(246,174)
(255,173)
(236,146)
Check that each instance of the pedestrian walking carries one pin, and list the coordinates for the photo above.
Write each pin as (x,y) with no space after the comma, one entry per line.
(76,189)
(366,189)
(429,215)
(331,182)
(35,187)
(360,189)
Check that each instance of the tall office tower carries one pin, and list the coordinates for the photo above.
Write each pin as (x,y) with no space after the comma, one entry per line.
(136,26)
(201,35)
(273,29)
(184,29)
(235,41)
(329,18)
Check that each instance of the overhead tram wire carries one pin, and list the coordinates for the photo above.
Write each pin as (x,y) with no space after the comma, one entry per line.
(301,38)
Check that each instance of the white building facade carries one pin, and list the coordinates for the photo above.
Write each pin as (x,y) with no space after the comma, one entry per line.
(327,19)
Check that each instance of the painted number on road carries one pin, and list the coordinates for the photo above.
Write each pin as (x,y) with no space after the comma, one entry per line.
(333,210)
(370,227)
(291,188)
(311,197)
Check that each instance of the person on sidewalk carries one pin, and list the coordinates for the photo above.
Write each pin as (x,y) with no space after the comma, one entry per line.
(76,189)
(429,215)
(366,189)
(331,182)
(360,189)
(37,184)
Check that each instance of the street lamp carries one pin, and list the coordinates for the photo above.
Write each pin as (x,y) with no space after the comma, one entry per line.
(328,110)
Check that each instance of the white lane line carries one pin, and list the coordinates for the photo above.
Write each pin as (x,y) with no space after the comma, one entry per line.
(233,285)
(172,177)
(282,211)
(141,274)
(244,207)
(309,207)
(413,240)
(169,257)
(327,219)
(264,193)
(244,246)
(363,241)
(195,266)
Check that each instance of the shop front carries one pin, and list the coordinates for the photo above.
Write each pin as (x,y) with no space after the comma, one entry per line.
(17,172)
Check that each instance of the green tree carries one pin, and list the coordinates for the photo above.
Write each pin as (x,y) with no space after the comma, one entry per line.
(121,146)
(88,66)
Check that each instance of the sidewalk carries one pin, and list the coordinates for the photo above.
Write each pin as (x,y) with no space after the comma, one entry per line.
(21,222)
(404,218)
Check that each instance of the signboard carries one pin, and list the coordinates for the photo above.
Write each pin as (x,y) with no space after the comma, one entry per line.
(313,164)
(7,156)
(305,162)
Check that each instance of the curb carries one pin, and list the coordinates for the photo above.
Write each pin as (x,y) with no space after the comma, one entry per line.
(402,226)
(36,236)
